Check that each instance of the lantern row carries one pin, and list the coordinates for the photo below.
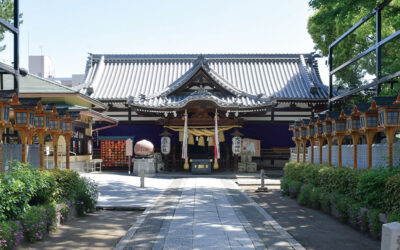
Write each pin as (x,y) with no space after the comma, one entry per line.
(381,115)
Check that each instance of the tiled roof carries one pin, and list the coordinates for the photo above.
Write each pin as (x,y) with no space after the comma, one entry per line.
(150,78)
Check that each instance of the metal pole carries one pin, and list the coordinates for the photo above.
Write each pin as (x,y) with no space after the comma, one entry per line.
(330,94)
(378,49)
(16,46)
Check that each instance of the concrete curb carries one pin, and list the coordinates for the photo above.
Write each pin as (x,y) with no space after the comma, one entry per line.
(289,238)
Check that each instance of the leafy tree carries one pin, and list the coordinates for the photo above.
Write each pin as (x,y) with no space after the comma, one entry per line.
(7,13)
(333,18)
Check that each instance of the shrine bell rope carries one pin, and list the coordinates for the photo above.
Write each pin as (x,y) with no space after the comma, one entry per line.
(201,130)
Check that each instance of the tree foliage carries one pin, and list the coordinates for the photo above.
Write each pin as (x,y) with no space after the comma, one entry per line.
(333,18)
(7,13)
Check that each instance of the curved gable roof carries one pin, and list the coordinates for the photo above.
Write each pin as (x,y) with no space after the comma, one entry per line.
(274,76)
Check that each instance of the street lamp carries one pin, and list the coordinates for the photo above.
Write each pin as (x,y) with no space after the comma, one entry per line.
(327,125)
(353,129)
(340,131)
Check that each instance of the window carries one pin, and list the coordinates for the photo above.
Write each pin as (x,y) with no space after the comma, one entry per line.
(31,118)
(320,130)
(362,122)
(356,124)
(340,126)
(372,121)
(392,117)
(39,121)
(382,118)
(6,113)
(22,117)
(348,122)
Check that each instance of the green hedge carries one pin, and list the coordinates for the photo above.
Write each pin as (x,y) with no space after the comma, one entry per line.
(354,196)
(28,200)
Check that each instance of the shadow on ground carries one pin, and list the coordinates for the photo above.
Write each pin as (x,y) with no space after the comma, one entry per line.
(100,230)
(312,228)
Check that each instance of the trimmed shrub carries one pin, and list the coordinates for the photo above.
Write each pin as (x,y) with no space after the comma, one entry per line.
(392,194)
(374,225)
(66,182)
(314,197)
(325,201)
(86,196)
(294,188)
(34,222)
(285,182)
(305,194)
(10,234)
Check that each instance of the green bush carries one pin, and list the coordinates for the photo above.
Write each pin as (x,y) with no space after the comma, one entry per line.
(22,186)
(392,194)
(393,218)
(371,187)
(305,194)
(10,234)
(294,188)
(66,182)
(86,195)
(374,225)
(325,201)
(34,222)
(285,182)
(315,197)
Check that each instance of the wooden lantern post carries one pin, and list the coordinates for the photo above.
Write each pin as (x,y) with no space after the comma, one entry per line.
(311,137)
(369,123)
(40,129)
(23,123)
(304,138)
(340,132)
(67,132)
(327,127)
(353,129)
(296,139)
(389,109)
(5,102)
(54,131)
(319,135)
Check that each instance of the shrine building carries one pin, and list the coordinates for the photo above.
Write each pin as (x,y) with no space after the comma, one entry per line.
(254,96)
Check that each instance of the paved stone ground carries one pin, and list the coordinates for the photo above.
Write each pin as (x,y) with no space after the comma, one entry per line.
(206,213)
(123,190)
(312,228)
(100,230)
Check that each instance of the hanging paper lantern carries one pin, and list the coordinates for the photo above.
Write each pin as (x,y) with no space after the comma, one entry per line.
(201,141)
(180,136)
(211,141)
(221,136)
(191,140)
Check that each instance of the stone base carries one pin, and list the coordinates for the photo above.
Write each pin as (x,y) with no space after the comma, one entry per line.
(262,189)
(148,166)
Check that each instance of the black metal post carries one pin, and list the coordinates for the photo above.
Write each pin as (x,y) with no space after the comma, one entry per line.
(16,46)
(378,49)
(330,94)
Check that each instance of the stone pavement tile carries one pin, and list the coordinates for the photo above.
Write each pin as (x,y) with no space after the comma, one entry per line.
(178,243)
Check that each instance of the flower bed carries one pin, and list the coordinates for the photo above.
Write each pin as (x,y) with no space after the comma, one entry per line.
(34,202)
(363,198)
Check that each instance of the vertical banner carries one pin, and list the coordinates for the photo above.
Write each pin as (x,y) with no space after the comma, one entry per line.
(185,142)
(216,142)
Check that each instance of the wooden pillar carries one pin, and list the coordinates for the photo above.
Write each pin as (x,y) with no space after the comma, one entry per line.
(312,150)
(298,150)
(304,149)
(370,139)
(30,138)
(41,150)
(355,137)
(321,143)
(23,134)
(390,132)
(67,149)
(55,137)
(329,138)
(340,141)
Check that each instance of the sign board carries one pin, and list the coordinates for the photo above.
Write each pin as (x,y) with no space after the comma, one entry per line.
(165,145)
(236,145)
(251,146)
(129,147)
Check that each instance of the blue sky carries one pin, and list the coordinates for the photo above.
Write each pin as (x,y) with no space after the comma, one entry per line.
(68,30)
